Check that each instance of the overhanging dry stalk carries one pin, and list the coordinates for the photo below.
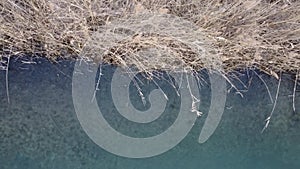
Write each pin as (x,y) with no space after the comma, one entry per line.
(294,90)
(274,106)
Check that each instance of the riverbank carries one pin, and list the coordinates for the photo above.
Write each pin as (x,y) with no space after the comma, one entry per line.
(157,35)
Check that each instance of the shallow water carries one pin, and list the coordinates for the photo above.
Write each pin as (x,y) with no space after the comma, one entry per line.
(39,127)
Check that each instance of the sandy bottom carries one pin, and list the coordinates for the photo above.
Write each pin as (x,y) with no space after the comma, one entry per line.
(39,128)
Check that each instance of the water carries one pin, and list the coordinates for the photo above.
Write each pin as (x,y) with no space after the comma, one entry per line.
(39,127)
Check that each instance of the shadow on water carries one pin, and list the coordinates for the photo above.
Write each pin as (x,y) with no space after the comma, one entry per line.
(39,127)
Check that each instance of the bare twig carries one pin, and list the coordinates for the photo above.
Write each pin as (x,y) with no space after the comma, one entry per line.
(232,85)
(274,106)
(195,100)
(294,92)
(98,82)
(6,77)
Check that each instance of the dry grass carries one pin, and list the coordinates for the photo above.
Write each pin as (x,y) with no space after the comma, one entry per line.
(264,34)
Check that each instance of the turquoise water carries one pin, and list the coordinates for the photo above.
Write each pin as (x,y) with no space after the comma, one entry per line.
(39,127)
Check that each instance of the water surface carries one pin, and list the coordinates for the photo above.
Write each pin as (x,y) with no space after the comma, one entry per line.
(39,127)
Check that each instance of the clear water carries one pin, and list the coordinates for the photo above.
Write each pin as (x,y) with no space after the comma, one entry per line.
(39,127)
